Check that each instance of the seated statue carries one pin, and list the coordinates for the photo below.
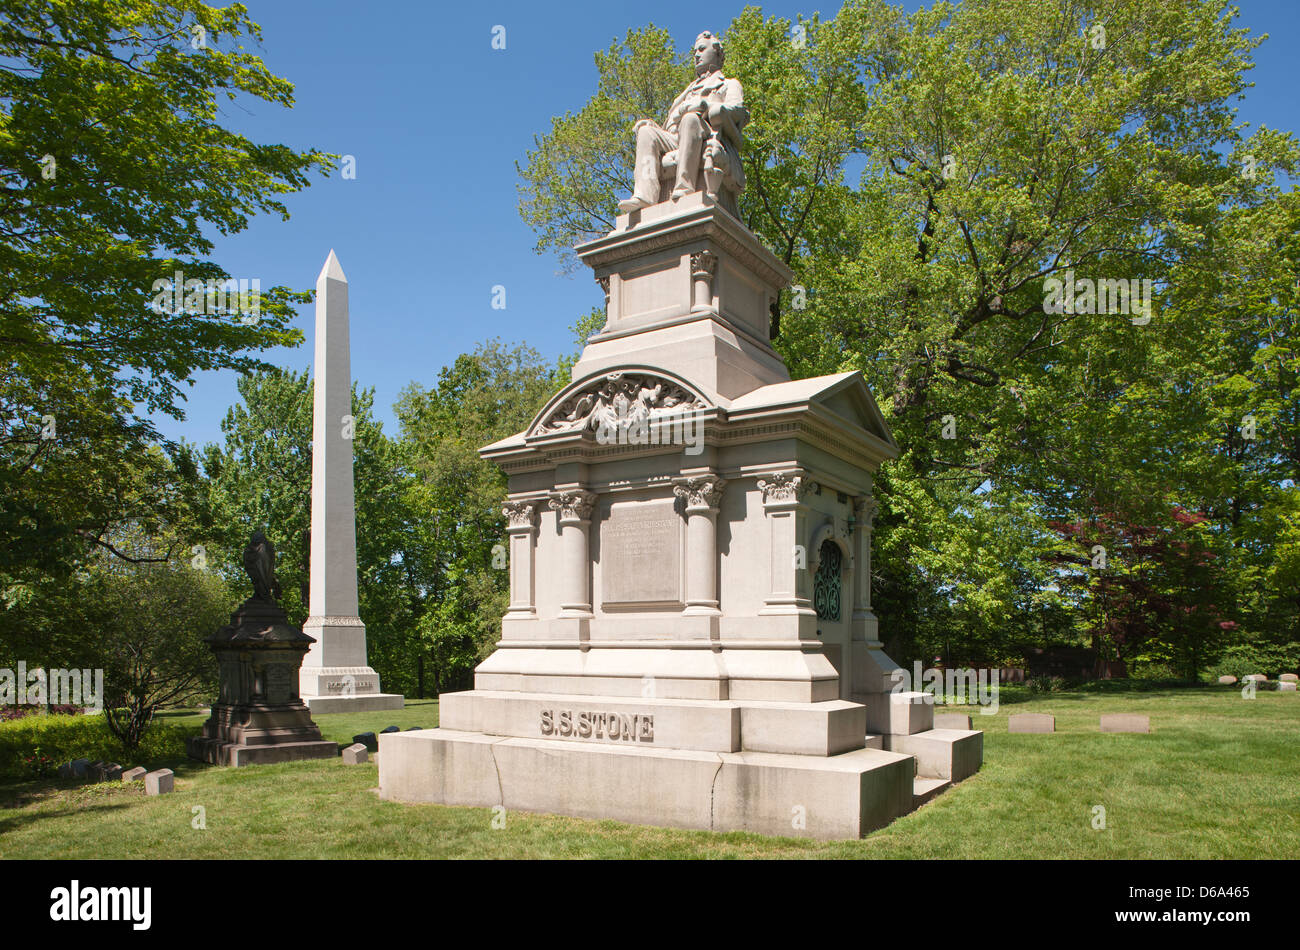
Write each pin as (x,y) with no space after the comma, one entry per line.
(701,137)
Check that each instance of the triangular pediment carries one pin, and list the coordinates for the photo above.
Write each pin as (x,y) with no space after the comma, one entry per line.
(842,399)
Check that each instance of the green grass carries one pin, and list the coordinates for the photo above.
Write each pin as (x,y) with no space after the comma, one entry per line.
(1218,777)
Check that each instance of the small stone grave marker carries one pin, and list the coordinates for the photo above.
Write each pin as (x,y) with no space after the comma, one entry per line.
(160,782)
(367,739)
(1031,722)
(356,754)
(1125,722)
(951,721)
(133,775)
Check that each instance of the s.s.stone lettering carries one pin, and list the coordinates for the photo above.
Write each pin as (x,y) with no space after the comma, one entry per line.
(593,724)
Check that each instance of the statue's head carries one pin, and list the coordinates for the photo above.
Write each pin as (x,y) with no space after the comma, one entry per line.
(258,537)
(708,54)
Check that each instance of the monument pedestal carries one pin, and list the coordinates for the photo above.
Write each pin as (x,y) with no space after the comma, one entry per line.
(690,639)
(347,683)
(841,796)
(258,717)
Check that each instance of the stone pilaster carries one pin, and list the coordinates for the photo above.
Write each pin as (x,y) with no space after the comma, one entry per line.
(701,494)
(864,624)
(521,526)
(573,508)
(787,517)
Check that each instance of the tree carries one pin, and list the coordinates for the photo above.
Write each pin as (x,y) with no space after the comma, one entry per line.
(112,165)
(151,625)
(458,560)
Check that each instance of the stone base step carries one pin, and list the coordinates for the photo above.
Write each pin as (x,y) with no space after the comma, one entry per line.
(827,797)
(952,754)
(370,702)
(924,789)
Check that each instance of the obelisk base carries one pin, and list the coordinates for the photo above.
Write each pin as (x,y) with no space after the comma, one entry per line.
(334,676)
(333,689)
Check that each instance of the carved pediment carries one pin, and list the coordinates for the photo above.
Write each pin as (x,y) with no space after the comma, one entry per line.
(619,401)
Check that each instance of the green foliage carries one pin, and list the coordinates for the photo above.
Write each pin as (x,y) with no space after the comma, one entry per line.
(458,557)
(61,739)
(1242,659)
(150,625)
(1046,684)
(113,164)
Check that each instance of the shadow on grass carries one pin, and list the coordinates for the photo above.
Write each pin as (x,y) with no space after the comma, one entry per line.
(31,816)
(25,798)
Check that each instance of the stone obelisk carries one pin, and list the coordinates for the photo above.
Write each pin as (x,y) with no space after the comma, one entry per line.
(335,676)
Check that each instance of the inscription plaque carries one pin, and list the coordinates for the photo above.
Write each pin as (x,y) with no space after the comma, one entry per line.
(641,555)
(279,683)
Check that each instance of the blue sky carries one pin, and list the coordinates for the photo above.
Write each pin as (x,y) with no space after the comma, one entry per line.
(436,120)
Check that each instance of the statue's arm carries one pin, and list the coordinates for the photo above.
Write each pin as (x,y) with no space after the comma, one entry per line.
(730,115)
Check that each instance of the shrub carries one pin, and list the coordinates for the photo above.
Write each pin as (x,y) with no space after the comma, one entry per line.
(1246,658)
(1046,684)
(38,764)
(27,743)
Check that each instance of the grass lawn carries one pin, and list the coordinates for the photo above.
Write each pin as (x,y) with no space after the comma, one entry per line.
(1218,777)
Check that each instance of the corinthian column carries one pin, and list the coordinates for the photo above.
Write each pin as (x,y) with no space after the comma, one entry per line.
(702,494)
(574,515)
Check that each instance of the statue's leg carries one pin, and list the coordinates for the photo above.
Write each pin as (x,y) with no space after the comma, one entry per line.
(690,145)
(651,144)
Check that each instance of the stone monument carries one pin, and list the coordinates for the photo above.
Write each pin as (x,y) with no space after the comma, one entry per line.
(258,716)
(335,676)
(689,640)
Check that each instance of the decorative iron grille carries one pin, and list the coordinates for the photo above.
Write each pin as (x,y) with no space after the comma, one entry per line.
(826,582)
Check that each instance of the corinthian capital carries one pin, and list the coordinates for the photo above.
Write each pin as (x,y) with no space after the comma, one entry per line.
(702,491)
(864,509)
(573,505)
(703,264)
(519,514)
(785,486)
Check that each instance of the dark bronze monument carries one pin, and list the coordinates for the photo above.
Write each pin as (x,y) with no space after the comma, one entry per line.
(258,716)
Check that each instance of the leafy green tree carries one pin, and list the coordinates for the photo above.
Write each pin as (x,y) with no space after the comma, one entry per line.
(114,167)
(150,623)
(458,559)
